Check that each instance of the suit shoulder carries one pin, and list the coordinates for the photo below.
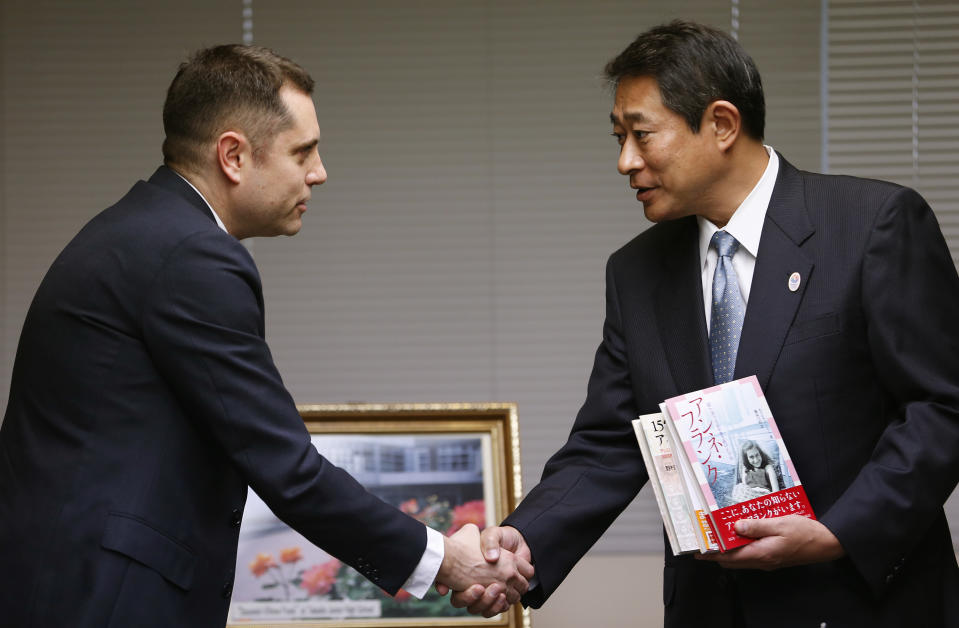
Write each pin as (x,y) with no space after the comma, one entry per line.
(844,212)
(853,191)
(153,218)
(654,243)
(145,231)
(173,212)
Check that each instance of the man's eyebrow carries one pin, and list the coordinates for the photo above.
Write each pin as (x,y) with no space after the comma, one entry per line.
(305,146)
(629,116)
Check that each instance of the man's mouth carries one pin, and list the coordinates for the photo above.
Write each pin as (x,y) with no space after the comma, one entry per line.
(643,193)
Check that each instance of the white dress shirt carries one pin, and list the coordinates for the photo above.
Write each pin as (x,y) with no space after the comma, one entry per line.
(423,576)
(746,225)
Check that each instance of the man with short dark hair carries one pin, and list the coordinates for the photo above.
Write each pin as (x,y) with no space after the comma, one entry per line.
(144,399)
(851,303)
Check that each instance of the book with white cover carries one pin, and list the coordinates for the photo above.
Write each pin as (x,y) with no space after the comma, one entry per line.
(667,482)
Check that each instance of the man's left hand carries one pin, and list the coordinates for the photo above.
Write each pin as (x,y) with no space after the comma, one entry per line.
(780,542)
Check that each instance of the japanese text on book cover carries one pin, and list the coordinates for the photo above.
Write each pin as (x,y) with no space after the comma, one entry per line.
(744,469)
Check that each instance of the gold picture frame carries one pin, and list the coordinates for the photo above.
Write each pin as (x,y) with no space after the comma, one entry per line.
(443,463)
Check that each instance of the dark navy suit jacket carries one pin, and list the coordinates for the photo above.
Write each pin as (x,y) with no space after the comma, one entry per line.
(860,366)
(143,402)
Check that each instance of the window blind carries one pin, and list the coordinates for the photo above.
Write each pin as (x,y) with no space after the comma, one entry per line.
(894,98)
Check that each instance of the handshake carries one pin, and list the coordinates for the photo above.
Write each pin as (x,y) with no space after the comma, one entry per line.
(486,573)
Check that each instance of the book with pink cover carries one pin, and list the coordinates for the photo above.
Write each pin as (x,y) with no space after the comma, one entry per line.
(737,456)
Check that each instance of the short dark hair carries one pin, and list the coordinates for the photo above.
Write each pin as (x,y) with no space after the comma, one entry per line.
(227,87)
(764,457)
(695,65)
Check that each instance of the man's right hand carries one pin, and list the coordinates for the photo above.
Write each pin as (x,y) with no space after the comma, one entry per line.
(497,542)
(486,570)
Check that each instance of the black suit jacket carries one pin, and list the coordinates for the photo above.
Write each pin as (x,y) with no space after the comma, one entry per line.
(861,370)
(143,402)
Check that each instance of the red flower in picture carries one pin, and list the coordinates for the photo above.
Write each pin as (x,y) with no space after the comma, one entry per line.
(402,595)
(470,512)
(319,579)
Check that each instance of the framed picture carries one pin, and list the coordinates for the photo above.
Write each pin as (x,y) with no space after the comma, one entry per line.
(444,464)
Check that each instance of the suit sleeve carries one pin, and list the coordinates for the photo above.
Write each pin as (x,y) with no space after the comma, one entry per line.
(910,297)
(203,324)
(594,476)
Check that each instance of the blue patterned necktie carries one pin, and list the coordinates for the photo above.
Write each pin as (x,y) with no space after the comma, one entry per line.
(726,319)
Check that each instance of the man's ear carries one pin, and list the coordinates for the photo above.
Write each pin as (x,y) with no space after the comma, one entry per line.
(233,153)
(722,119)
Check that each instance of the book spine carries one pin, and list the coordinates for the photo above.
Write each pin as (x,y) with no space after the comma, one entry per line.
(663,467)
(650,460)
(708,532)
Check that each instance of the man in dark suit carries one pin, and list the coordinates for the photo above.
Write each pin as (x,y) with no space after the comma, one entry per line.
(144,399)
(850,324)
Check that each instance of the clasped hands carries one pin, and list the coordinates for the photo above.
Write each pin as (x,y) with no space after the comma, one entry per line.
(486,573)
(485,577)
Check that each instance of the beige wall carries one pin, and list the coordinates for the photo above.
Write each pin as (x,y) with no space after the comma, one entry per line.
(607,591)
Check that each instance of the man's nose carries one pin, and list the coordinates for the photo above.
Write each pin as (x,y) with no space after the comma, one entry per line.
(629,160)
(317,174)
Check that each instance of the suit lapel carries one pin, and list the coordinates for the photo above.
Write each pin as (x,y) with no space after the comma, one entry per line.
(772,305)
(680,311)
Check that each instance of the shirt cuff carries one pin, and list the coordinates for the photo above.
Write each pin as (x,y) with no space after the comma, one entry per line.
(423,576)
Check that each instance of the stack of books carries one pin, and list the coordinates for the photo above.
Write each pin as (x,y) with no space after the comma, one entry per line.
(715,456)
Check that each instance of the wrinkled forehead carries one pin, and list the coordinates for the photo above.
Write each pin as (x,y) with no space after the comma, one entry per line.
(637,99)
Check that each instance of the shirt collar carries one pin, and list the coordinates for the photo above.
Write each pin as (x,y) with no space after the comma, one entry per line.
(216,216)
(746,224)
